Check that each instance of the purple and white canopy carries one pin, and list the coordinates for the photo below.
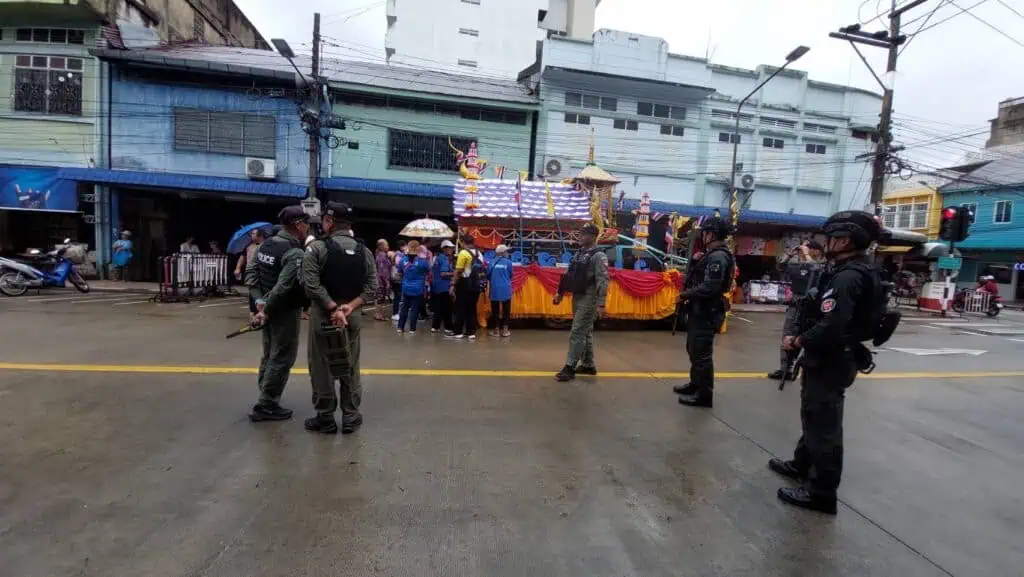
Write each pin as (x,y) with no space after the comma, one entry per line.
(497,199)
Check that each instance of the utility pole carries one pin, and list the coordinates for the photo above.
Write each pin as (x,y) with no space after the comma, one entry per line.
(891,40)
(314,132)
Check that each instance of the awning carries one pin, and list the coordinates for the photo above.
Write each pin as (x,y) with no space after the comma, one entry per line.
(394,187)
(750,216)
(180,181)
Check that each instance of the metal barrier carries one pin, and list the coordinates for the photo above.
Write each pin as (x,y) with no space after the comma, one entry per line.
(975,302)
(188,275)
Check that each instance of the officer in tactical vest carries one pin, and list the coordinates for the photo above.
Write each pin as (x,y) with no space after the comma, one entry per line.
(847,308)
(801,267)
(707,280)
(587,281)
(279,298)
(338,273)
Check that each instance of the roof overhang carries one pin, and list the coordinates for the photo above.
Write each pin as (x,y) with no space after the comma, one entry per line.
(160,59)
(625,85)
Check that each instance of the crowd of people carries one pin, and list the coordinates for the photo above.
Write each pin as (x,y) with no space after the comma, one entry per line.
(443,286)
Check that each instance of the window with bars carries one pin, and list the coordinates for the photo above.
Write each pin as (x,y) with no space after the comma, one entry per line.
(424,151)
(50,35)
(808,127)
(235,133)
(773,143)
(778,123)
(919,218)
(727,115)
(48,84)
(904,212)
(622,124)
(730,138)
(815,148)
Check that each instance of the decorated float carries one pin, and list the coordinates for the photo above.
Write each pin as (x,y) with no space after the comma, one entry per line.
(540,222)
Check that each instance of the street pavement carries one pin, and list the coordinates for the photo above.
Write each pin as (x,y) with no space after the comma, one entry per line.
(126,451)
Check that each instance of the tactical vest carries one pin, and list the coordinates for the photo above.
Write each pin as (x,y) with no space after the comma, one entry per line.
(695,275)
(344,274)
(879,323)
(269,262)
(580,274)
(802,276)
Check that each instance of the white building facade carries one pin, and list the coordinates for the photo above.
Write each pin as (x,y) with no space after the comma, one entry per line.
(484,37)
(663,124)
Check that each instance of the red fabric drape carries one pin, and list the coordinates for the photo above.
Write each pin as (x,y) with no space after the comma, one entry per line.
(638,284)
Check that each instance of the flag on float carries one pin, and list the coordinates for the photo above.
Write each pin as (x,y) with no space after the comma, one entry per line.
(657,216)
(669,239)
(499,171)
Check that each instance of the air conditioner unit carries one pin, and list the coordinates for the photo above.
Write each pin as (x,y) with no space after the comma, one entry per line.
(556,167)
(260,168)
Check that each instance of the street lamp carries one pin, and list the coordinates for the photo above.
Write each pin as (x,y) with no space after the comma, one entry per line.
(734,203)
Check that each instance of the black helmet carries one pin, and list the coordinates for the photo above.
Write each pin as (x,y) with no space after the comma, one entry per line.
(717,225)
(861,227)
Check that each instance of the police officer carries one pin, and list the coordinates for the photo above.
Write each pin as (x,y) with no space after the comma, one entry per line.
(587,281)
(338,273)
(846,298)
(707,279)
(801,267)
(278,298)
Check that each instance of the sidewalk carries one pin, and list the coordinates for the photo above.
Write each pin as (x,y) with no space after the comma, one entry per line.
(110,286)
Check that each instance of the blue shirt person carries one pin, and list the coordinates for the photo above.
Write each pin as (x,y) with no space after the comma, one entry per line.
(122,253)
(441,274)
(499,273)
(414,285)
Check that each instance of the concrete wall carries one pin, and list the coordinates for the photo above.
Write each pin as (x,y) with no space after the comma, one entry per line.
(425,33)
(49,139)
(143,129)
(500,144)
(694,168)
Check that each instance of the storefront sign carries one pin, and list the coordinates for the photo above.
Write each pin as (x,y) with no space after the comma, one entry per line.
(37,189)
(950,262)
(1019,266)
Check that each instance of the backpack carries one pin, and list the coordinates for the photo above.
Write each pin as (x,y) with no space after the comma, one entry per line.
(396,271)
(477,273)
(881,322)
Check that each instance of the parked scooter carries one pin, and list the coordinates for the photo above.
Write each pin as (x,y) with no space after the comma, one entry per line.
(995,302)
(18,277)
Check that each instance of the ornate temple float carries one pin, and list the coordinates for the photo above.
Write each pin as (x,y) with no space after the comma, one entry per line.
(540,222)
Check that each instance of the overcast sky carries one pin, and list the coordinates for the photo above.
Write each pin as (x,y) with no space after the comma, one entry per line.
(949,83)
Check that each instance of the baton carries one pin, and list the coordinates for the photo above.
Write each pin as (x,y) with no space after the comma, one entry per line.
(243,330)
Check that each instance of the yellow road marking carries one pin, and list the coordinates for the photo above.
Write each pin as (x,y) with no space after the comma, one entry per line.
(170,369)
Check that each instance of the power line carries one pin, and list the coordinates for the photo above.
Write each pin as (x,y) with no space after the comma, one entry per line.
(1010,8)
(986,23)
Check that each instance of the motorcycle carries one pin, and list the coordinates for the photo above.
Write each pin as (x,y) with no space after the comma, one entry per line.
(995,302)
(18,277)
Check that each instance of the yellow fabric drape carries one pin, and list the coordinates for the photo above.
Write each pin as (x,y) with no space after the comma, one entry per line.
(533,301)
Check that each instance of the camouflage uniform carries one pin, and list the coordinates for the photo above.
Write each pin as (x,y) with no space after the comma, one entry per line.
(325,399)
(584,313)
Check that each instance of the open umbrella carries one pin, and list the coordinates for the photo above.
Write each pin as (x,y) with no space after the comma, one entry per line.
(240,240)
(427,228)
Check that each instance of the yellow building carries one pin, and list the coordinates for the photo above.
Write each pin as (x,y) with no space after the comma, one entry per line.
(915,209)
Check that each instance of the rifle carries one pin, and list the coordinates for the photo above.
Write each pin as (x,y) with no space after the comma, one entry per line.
(801,324)
(246,329)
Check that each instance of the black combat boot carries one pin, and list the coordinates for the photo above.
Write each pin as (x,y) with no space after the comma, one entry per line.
(687,389)
(322,424)
(587,370)
(801,497)
(787,469)
(776,375)
(700,398)
(269,412)
(351,423)
(566,374)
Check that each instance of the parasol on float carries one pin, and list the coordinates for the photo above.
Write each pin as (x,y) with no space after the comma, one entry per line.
(427,228)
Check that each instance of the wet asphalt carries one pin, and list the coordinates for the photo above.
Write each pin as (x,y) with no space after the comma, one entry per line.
(160,473)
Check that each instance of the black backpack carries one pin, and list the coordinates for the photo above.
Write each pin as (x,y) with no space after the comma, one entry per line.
(477,273)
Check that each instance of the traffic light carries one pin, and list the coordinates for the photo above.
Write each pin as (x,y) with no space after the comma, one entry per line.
(956,220)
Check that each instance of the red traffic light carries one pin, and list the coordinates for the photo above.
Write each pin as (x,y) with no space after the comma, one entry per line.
(949,213)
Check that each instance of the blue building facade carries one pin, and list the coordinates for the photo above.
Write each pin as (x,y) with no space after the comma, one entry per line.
(995,246)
